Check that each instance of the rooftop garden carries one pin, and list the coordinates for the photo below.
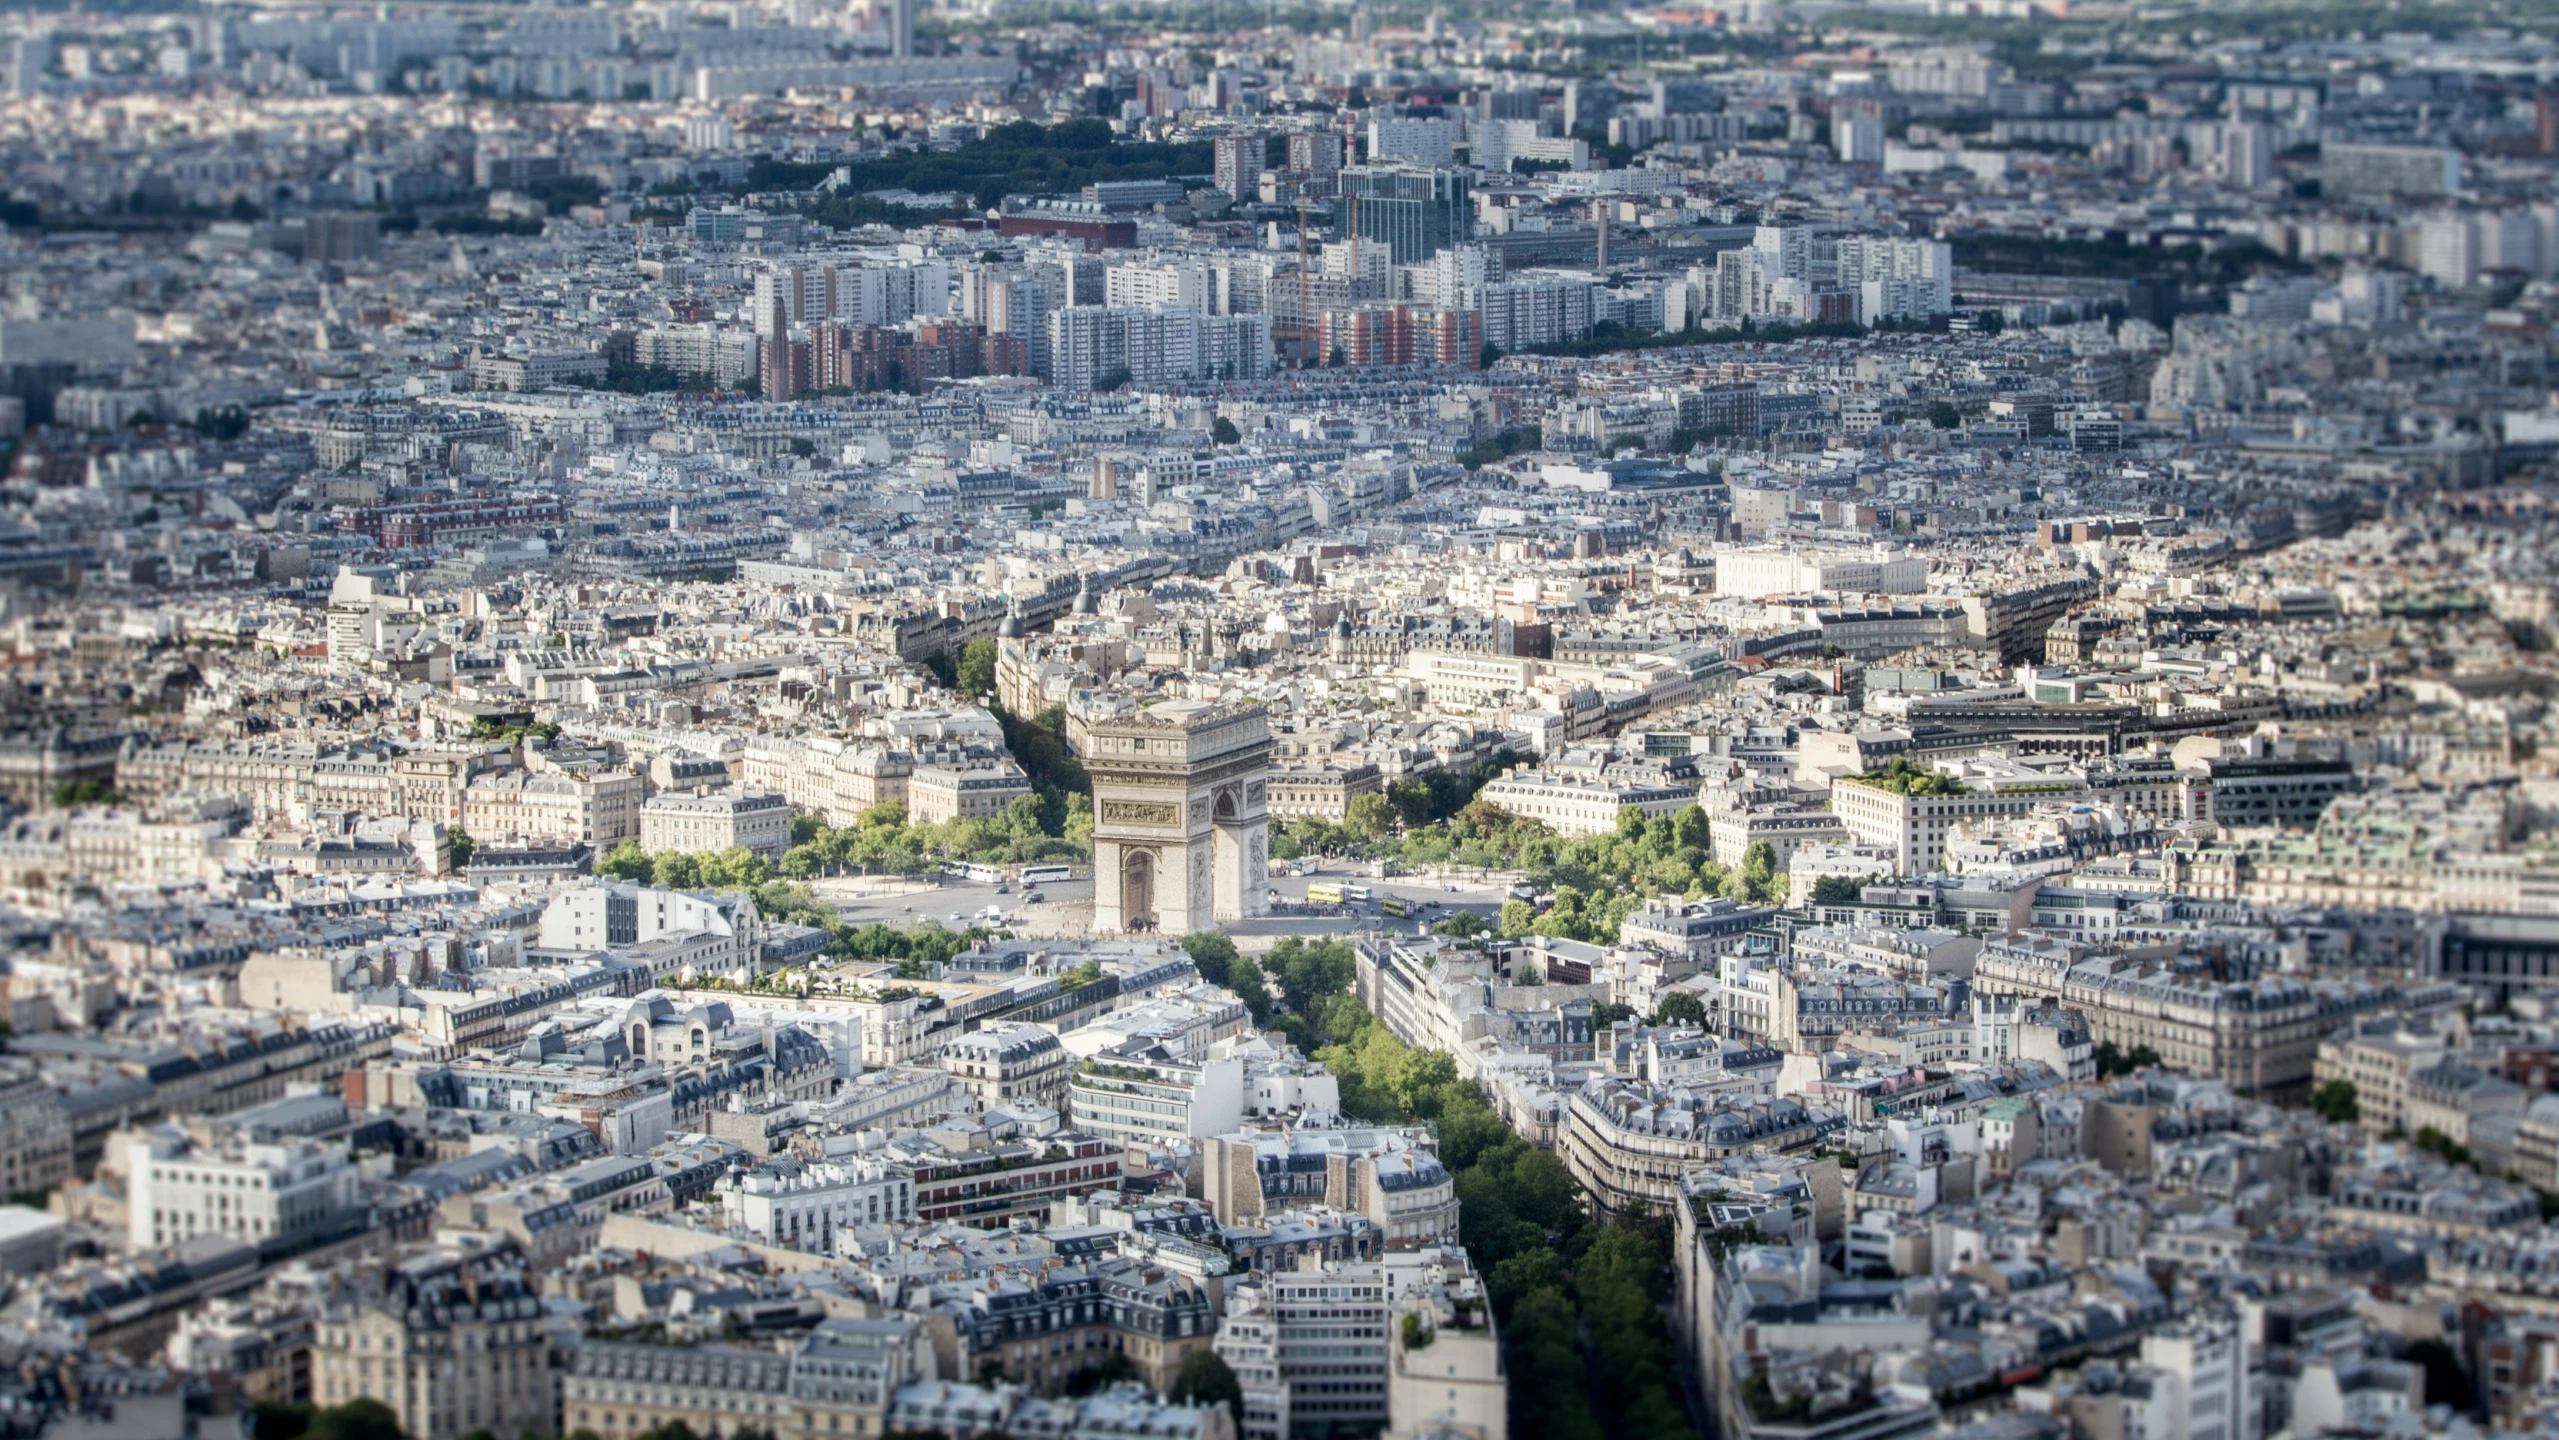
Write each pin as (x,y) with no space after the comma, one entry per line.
(1903,778)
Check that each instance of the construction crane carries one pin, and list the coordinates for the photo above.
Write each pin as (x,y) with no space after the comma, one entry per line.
(1357,274)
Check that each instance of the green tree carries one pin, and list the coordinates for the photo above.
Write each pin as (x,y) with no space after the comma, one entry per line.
(1759,869)
(1517,1275)
(1680,1007)
(2451,1151)
(1223,431)
(1206,1379)
(1368,816)
(1547,1379)
(2446,1382)
(627,861)
(85,792)
(1411,802)
(2337,1102)
(975,674)
(1245,979)
(1214,954)
(1840,889)
(1518,918)
(2113,1059)
(1463,925)
(459,845)
(1421,1077)
(358,1419)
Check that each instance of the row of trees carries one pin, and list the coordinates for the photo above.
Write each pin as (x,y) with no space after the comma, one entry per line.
(2113,1059)
(1580,1305)
(1403,822)
(1296,987)
(1597,880)
(1026,833)
(738,870)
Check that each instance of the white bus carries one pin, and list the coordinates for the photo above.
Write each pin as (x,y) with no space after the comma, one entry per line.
(971,870)
(1046,874)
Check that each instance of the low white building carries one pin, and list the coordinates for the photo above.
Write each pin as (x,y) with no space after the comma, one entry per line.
(613,916)
(284,1190)
(1576,806)
(1146,1097)
(800,1205)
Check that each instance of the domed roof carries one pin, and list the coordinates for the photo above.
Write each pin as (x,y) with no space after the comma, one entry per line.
(1011,629)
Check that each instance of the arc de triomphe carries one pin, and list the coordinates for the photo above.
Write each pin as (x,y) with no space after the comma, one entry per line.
(1181,825)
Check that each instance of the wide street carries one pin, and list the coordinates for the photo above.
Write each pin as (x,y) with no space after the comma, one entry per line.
(1066,907)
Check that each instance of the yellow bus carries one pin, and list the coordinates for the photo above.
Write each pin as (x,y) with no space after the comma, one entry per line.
(1391,905)
(1324,892)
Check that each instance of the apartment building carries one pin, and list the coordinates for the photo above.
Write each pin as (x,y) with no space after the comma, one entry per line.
(1002,1063)
(2381,1058)
(838,1381)
(1039,1333)
(1314,1346)
(1391,1176)
(1697,930)
(716,820)
(1444,1374)
(828,778)
(35,1132)
(599,809)
(2261,1036)
(453,1343)
(1324,793)
(2211,1378)
(1629,1142)
(939,794)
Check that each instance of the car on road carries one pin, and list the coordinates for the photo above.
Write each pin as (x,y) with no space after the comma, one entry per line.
(1032,897)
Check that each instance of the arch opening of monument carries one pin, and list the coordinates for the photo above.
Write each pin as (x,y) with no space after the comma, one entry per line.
(1137,889)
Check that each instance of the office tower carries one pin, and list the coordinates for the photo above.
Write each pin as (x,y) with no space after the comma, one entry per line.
(1417,213)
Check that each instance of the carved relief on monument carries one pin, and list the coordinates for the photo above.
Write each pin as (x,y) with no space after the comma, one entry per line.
(1257,861)
(1199,810)
(1140,812)
(1201,887)
(1253,793)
